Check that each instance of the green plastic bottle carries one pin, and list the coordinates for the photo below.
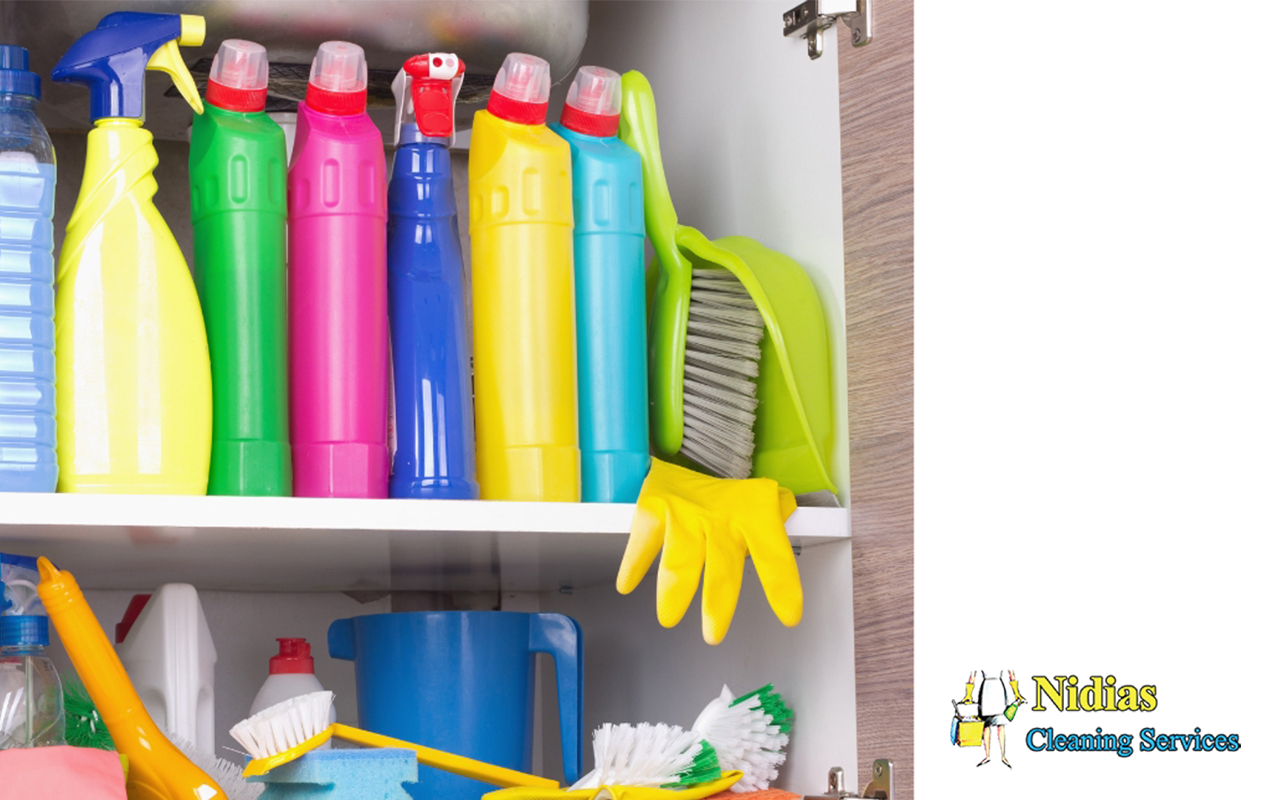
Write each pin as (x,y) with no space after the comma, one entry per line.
(238,219)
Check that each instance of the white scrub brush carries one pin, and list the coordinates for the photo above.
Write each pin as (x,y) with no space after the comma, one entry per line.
(749,733)
(664,756)
(223,772)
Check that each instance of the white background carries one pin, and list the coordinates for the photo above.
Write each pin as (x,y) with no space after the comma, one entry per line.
(1098,330)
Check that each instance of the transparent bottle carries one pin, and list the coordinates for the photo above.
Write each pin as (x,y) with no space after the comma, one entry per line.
(28,462)
(30,691)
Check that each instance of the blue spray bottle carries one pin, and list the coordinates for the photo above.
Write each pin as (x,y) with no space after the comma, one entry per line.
(427,292)
(608,274)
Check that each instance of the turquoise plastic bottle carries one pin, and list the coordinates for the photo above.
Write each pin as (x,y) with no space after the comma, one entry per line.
(609,289)
(237,218)
(28,461)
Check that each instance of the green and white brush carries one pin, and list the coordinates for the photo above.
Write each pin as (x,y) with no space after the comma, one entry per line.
(662,756)
(749,733)
(84,725)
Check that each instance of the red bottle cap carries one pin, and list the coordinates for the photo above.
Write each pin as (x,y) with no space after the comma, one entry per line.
(131,613)
(339,79)
(238,77)
(594,104)
(294,658)
(521,90)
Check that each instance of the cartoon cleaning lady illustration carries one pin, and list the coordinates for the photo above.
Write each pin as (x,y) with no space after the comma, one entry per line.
(995,708)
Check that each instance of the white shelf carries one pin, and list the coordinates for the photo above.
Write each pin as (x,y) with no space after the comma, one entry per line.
(303,544)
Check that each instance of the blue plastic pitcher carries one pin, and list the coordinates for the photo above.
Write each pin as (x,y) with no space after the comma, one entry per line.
(462,682)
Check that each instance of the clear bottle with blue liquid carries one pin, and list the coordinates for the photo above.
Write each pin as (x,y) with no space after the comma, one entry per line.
(609,290)
(28,460)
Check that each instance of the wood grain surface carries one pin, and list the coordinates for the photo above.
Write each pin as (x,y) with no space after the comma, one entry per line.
(876,120)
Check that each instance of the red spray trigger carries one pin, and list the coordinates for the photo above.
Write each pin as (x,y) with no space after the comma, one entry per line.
(436,79)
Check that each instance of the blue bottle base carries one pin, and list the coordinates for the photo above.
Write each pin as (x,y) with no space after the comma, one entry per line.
(613,476)
(434,489)
(41,476)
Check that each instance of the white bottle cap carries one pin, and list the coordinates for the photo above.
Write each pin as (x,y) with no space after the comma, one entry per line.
(240,64)
(521,90)
(596,90)
(340,67)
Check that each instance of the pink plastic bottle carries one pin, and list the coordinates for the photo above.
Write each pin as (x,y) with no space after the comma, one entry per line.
(338,285)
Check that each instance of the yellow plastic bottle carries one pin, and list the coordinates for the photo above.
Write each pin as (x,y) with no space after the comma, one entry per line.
(522,293)
(134,394)
(157,769)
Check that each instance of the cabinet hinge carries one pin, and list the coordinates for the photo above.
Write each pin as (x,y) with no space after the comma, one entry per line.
(880,786)
(811,18)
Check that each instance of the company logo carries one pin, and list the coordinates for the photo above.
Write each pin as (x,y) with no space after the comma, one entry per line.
(991,702)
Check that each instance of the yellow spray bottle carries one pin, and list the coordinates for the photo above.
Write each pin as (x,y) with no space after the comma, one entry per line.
(134,394)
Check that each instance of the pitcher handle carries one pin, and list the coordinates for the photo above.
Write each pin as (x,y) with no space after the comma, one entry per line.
(561,636)
(342,639)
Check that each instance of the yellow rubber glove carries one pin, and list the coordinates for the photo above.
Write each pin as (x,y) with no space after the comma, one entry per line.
(695,519)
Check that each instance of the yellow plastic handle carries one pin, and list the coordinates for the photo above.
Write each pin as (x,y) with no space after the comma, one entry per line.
(458,765)
(619,792)
(169,59)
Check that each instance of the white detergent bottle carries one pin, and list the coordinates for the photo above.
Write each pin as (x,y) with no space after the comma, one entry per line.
(169,655)
(292,673)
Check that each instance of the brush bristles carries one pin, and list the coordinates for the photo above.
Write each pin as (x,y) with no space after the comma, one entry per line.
(750,733)
(228,776)
(721,363)
(649,755)
(284,725)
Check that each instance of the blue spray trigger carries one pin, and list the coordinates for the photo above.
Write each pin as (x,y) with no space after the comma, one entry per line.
(112,59)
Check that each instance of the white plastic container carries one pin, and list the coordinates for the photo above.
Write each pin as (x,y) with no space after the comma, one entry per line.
(292,672)
(169,655)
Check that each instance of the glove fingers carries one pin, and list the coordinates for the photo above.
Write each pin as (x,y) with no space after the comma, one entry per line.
(647,527)
(683,554)
(726,553)
(776,565)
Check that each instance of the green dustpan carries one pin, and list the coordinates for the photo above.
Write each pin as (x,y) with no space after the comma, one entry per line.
(794,418)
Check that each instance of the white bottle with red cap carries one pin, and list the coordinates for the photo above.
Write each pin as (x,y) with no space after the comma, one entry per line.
(165,645)
(292,674)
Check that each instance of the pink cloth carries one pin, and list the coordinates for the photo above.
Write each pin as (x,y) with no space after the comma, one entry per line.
(62,772)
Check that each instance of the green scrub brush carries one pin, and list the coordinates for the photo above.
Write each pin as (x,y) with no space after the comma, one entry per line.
(84,725)
(749,733)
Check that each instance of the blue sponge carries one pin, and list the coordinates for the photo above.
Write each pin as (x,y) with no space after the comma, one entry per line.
(350,774)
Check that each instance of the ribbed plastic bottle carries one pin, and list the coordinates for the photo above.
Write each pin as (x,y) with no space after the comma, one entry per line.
(338,285)
(435,454)
(134,396)
(609,289)
(238,212)
(522,292)
(28,460)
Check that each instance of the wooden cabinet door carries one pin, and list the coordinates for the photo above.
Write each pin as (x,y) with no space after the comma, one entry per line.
(876,122)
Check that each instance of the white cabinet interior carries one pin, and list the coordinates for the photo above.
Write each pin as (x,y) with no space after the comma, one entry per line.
(750,131)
